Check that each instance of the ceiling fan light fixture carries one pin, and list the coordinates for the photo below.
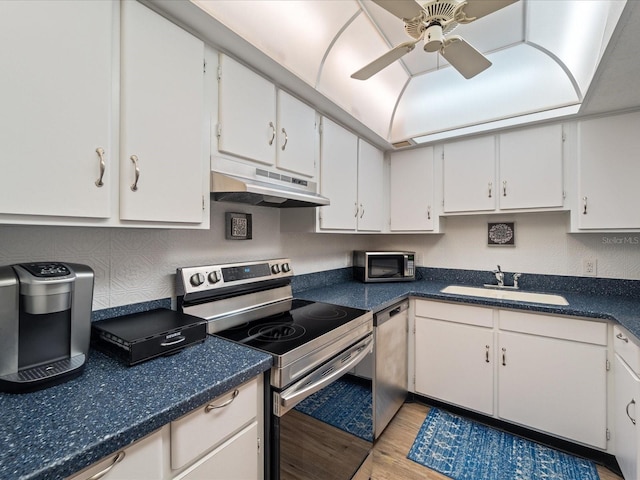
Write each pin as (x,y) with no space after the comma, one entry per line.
(433,38)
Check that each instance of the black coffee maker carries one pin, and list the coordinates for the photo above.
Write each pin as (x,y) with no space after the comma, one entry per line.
(45,324)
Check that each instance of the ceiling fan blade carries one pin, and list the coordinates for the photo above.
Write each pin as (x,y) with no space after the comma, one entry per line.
(384,61)
(401,8)
(474,9)
(463,57)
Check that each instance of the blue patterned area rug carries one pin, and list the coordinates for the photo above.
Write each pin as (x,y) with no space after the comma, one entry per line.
(345,404)
(466,450)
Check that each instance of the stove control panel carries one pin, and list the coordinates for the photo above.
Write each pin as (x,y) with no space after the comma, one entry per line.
(211,277)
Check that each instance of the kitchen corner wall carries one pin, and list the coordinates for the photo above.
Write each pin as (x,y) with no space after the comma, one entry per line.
(138,265)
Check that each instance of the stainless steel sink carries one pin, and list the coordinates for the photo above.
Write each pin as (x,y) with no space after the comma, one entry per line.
(499,294)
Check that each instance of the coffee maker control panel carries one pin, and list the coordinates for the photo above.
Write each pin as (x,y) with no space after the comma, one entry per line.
(46,270)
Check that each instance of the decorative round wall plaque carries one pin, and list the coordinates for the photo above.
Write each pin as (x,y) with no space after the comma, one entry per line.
(501,234)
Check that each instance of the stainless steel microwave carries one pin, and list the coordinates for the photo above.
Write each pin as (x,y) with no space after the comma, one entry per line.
(371,266)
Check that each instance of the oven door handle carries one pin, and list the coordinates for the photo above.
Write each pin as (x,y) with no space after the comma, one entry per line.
(319,379)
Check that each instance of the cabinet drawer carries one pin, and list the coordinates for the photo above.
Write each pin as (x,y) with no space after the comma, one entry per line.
(204,428)
(557,327)
(141,460)
(625,345)
(468,314)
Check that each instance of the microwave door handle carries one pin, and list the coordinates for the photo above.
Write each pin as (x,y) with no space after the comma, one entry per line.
(304,388)
(406,265)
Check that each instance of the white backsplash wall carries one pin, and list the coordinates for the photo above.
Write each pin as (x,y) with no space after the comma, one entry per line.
(543,246)
(138,265)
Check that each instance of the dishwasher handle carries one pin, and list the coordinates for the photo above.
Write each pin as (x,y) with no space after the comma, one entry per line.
(389,312)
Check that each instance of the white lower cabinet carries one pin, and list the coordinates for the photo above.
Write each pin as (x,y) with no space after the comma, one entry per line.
(547,373)
(447,350)
(222,440)
(625,403)
(230,461)
(142,460)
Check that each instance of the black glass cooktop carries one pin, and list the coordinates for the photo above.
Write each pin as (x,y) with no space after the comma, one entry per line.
(283,332)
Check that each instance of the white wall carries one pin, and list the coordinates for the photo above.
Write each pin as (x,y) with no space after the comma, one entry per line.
(542,246)
(136,265)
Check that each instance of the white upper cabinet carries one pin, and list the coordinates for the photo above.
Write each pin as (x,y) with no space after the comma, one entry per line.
(262,124)
(411,191)
(297,136)
(352,177)
(162,107)
(56,98)
(608,173)
(469,175)
(370,188)
(246,113)
(338,177)
(531,168)
(519,170)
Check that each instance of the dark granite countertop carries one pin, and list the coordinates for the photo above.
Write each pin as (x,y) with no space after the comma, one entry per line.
(371,296)
(57,431)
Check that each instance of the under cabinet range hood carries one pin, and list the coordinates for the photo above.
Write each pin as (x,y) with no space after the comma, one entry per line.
(240,183)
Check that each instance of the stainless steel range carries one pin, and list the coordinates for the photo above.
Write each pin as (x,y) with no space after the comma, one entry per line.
(314,346)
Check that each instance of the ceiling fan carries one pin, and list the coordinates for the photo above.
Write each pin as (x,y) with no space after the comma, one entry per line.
(431,22)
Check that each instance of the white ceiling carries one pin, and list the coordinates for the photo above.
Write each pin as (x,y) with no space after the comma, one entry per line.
(545,54)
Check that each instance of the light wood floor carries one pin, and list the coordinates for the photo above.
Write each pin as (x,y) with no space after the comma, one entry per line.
(390,460)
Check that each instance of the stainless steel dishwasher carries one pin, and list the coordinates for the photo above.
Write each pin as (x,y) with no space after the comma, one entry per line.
(387,365)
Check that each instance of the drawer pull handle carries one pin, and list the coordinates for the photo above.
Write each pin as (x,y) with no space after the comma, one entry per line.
(211,406)
(116,460)
(176,341)
(100,152)
(134,185)
(504,357)
(273,133)
(486,353)
(632,402)
(622,337)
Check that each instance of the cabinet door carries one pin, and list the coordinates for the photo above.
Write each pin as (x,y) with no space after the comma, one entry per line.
(246,113)
(469,175)
(411,190)
(297,136)
(370,187)
(338,176)
(454,363)
(236,459)
(554,385)
(143,460)
(531,168)
(162,96)
(608,172)
(56,107)
(626,398)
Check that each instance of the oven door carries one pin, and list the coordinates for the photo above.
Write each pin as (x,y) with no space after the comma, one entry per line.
(322,425)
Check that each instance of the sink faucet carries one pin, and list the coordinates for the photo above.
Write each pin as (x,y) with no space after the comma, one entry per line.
(499,276)
(516,276)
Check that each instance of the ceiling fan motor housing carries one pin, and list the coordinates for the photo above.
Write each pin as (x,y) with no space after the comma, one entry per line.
(433,37)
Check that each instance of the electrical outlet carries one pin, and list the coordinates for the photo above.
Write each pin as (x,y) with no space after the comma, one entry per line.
(589,267)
